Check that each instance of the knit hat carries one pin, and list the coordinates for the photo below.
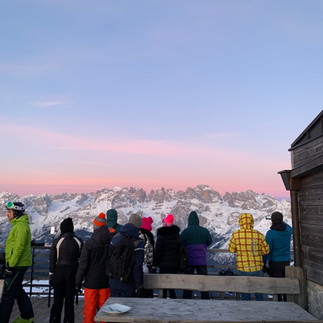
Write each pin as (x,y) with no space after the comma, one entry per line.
(135,219)
(169,220)
(277,218)
(67,226)
(100,220)
(146,223)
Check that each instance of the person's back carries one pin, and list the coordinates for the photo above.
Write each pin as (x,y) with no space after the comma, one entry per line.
(196,239)
(92,269)
(167,249)
(119,288)
(250,246)
(63,263)
(278,239)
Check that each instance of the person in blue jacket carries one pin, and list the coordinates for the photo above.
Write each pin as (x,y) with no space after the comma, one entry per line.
(196,239)
(133,288)
(278,239)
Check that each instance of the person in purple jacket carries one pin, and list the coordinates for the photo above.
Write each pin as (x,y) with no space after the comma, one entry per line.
(196,239)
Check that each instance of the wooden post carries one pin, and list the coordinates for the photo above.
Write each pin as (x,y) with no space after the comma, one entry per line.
(1,288)
(300,274)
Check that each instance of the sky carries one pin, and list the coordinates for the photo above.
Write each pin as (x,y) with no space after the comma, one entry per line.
(151,94)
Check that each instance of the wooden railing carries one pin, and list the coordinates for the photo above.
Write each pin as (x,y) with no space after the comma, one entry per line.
(37,279)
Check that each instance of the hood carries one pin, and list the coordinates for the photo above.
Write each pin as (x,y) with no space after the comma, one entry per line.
(23,218)
(193,219)
(129,230)
(169,232)
(112,217)
(102,235)
(246,221)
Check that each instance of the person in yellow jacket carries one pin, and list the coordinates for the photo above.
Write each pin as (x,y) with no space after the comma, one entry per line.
(17,260)
(249,245)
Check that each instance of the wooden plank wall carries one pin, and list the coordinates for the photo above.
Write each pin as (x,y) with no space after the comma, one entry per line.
(311,225)
(307,153)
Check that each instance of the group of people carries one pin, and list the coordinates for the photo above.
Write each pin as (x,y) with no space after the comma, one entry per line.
(257,254)
(113,261)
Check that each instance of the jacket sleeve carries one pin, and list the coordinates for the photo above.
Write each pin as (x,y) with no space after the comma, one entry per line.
(139,259)
(209,238)
(52,257)
(158,252)
(269,241)
(264,247)
(83,265)
(21,235)
(232,244)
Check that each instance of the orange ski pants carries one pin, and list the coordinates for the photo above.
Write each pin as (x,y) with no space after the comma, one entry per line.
(93,300)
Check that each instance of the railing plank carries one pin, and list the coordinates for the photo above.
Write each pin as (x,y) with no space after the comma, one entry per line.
(238,284)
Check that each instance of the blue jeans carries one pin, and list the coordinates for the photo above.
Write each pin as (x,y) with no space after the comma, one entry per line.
(247,297)
(13,290)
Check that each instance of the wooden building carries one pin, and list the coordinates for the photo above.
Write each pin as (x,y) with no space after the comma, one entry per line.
(305,183)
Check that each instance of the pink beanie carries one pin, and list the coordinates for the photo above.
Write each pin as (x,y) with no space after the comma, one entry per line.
(146,223)
(169,220)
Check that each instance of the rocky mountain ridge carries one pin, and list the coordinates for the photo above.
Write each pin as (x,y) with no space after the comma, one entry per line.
(219,215)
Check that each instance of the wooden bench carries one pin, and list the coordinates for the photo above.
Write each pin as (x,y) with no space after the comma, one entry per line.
(293,286)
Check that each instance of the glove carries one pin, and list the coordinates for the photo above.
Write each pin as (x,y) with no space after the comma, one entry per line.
(8,271)
(51,280)
(139,291)
(265,269)
(78,290)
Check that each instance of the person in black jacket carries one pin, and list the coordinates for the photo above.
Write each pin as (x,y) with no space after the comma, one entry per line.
(92,267)
(63,263)
(167,250)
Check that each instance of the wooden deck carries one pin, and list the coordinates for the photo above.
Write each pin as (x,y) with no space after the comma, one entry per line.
(42,311)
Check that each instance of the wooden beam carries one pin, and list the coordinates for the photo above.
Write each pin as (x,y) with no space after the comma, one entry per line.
(300,274)
(238,284)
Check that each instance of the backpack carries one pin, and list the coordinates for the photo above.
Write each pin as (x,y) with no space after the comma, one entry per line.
(148,249)
(183,259)
(121,260)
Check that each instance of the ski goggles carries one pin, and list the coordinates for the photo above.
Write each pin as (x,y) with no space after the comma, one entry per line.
(10,206)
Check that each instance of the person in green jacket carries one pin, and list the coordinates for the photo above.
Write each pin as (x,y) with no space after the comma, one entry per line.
(17,260)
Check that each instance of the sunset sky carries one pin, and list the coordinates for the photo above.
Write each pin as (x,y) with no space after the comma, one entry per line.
(155,94)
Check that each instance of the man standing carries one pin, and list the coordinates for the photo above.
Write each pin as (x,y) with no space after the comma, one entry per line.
(196,239)
(17,260)
(126,260)
(278,239)
(92,267)
(63,264)
(249,245)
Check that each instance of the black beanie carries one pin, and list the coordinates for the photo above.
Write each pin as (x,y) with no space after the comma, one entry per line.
(276,218)
(67,226)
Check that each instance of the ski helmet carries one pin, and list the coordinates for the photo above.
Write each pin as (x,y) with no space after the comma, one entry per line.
(18,208)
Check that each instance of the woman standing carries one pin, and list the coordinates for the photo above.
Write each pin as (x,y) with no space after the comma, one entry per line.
(167,250)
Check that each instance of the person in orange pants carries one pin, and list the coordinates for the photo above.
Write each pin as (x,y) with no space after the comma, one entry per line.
(94,299)
(92,267)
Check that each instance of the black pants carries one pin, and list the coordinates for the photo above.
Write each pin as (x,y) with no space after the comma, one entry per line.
(13,290)
(64,288)
(167,270)
(277,269)
(200,270)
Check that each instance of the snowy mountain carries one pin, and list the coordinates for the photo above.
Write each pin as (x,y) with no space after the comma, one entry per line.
(218,214)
